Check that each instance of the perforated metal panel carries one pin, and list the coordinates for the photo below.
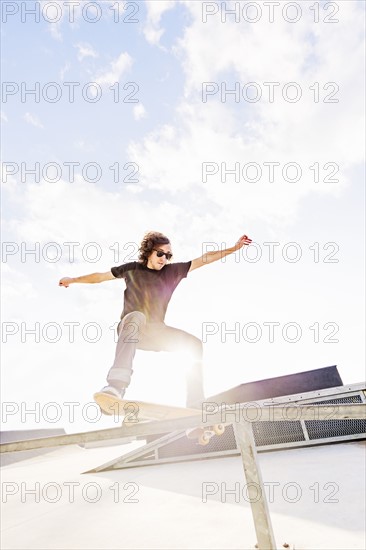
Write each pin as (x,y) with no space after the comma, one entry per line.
(339,400)
(336,428)
(269,435)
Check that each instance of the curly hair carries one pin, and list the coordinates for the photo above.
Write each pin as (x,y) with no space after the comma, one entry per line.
(148,243)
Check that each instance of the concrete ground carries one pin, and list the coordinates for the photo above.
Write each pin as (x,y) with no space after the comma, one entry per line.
(316,499)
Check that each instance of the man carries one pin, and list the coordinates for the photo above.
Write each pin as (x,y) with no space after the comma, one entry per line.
(150,283)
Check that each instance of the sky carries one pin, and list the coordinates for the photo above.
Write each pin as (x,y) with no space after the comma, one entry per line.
(202,120)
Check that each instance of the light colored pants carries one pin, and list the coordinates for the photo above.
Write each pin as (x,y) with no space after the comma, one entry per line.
(134,332)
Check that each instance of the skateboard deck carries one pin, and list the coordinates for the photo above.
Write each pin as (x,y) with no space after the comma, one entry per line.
(141,411)
(137,411)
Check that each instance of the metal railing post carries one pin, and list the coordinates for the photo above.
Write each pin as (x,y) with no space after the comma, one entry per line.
(258,501)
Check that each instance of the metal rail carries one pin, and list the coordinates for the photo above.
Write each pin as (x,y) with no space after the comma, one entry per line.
(227,415)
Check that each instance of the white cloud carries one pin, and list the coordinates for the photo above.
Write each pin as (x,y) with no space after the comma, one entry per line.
(33,120)
(152,30)
(57,12)
(55,31)
(115,70)
(306,132)
(8,181)
(135,189)
(64,70)
(15,284)
(54,13)
(139,111)
(51,213)
(85,50)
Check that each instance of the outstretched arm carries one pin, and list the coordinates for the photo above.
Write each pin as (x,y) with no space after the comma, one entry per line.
(210,257)
(92,278)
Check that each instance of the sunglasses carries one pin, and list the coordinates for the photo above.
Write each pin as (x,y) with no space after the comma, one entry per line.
(161,253)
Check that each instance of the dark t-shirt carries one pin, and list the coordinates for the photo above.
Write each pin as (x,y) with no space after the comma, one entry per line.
(149,290)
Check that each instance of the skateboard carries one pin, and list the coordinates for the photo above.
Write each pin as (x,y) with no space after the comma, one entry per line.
(141,411)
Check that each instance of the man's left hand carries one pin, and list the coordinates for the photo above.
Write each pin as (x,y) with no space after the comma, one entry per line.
(243,241)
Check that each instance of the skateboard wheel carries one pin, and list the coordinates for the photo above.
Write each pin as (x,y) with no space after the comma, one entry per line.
(219,429)
(204,439)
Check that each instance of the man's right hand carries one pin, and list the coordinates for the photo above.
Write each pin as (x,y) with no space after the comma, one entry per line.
(65,281)
(91,278)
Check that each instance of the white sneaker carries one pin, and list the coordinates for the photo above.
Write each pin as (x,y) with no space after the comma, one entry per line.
(113,391)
